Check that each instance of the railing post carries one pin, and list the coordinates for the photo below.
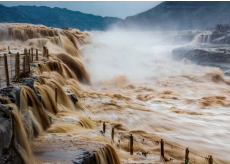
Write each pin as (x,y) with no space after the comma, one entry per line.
(28,63)
(104,128)
(131,144)
(210,160)
(32,54)
(186,156)
(44,51)
(6,71)
(37,54)
(17,67)
(24,65)
(162,149)
(9,49)
(112,134)
(25,51)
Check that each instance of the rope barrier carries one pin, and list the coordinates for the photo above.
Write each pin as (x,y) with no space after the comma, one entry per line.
(136,141)
(174,146)
(198,155)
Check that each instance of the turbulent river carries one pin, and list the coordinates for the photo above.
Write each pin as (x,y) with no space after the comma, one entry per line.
(138,88)
(127,79)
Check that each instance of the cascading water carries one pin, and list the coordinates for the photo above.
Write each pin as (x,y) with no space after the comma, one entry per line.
(20,138)
(64,71)
(106,155)
(205,37)
(135,87)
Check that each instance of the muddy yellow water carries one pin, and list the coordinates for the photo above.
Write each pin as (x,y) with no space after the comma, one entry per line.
(127,80)
(139,89)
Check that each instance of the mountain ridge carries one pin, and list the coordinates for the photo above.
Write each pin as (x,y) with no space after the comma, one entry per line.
(182,15)
(55,17)
(168,15)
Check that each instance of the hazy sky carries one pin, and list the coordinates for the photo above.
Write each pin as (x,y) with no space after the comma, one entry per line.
(120,9)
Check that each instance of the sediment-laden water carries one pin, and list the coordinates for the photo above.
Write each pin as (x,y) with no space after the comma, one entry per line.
(127,80)
(137,87)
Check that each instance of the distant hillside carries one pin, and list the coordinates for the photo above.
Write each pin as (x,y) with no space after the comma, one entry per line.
(9,14)
(169,15)
(55,17)
(182,15)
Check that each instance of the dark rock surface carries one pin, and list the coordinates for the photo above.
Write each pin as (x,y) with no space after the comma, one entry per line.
(203,53)
(8,152)
(63,153)
(214,37)
(206,55)
(72,97)
(10,93)
(13,93)
(5,127)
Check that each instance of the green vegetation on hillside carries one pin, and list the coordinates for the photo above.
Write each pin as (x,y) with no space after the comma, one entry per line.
(55,17)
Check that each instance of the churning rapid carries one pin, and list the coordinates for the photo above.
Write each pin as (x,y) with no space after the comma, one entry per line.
(138,88)
(126,79)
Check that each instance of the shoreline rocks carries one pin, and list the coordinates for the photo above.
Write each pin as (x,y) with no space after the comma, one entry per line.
(205,54)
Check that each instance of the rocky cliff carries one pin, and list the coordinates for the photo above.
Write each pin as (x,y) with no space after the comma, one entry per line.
(181,15)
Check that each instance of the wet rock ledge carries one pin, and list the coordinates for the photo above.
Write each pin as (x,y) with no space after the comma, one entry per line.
(205,54)
(9,147)
(52,148)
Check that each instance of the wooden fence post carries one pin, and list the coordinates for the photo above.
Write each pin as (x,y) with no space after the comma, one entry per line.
(162,149)
(6,71)
(32,54)
(25,51)
(24,65)
(27,63)
(131,144)
(104,128)
(9,49)
(17,67)
(186,156)
(112,134)
(44,51)
(210,160)
(37,54)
